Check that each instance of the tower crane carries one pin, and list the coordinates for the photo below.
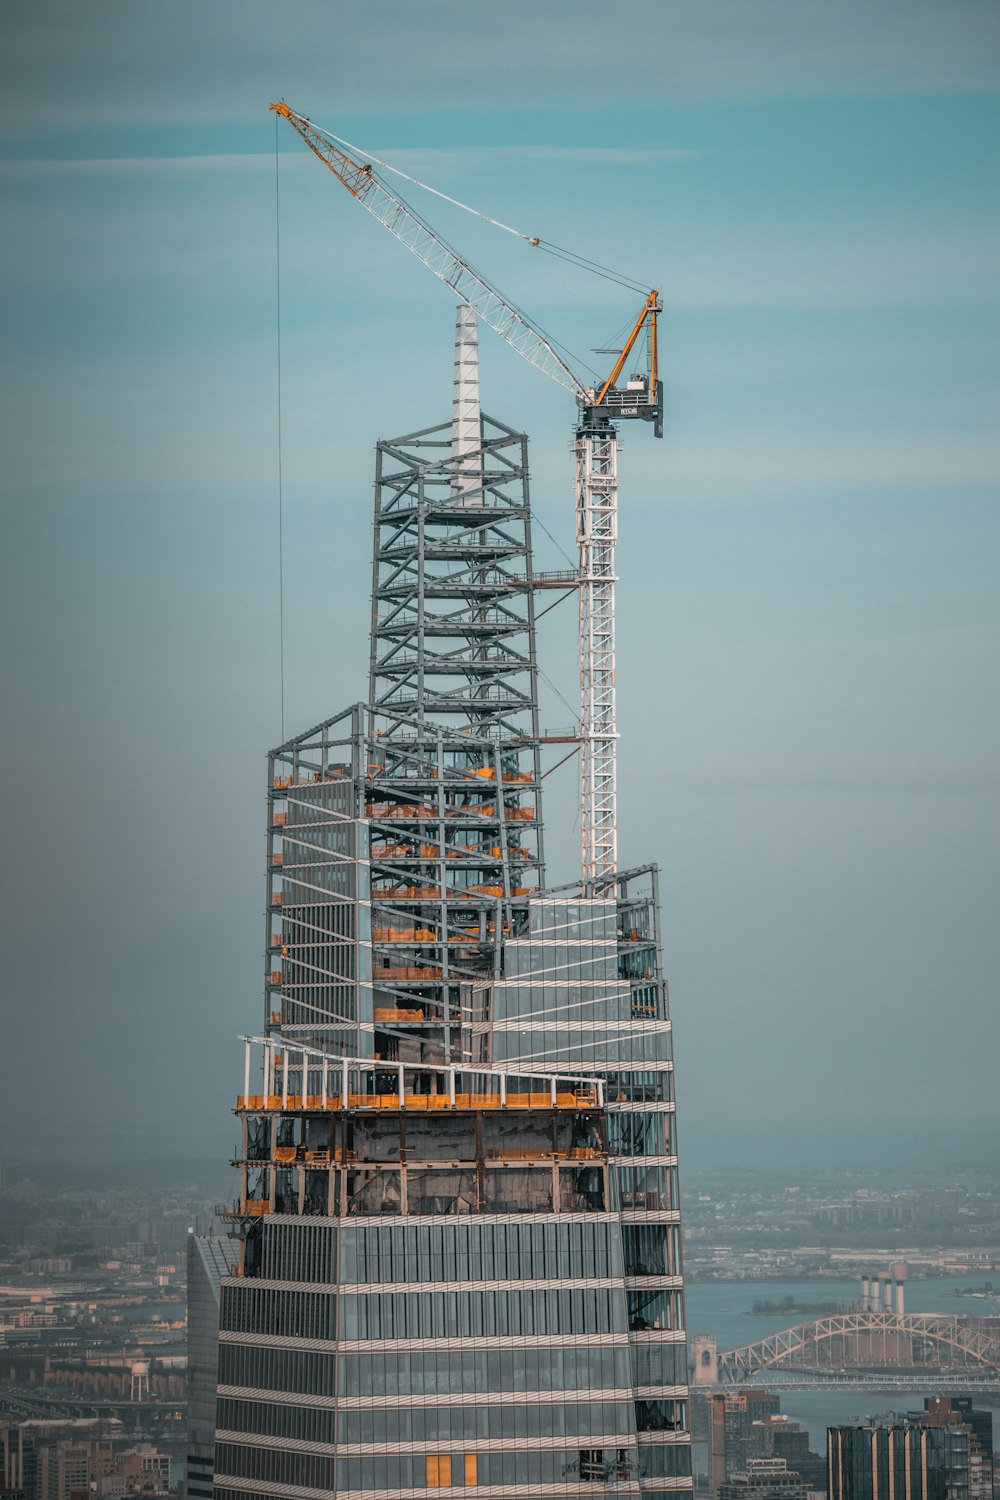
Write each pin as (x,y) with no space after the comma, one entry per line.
(596,450)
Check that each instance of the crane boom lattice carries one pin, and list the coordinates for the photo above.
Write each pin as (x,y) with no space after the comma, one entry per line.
(437,255)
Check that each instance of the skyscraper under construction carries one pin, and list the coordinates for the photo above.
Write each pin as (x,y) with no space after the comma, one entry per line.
(458,1226)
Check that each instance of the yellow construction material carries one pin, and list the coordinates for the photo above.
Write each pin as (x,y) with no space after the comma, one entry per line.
(425,972)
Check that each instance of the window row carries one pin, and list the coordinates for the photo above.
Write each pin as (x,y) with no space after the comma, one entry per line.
(482,1251)
(672,1461)
(292,1370)
(449,1424)
(570,1000)
(465,1251)
(650,1310)
(299,1252)
(641,1134)
(456,1424)
(448,1372)
(625,1047)
(312,924)
(602,1469)
(651,1249)
(649,1188)
(302,877)
(274,1466)
(486,1370)
(576,1310)
(308,1424)
(304,1315)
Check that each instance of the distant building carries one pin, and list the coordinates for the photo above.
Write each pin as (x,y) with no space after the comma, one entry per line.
(779,1438)
(908,1460)
(11,1459)
(764,1479)
(731,1417)
(958,1412)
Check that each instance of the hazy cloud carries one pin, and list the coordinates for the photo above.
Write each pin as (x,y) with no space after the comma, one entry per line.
(222,62)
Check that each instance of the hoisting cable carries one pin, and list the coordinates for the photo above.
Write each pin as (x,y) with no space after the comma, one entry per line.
(548,681)
(425,185)
(559,251)
(537,521)
(593,266)
(281,548)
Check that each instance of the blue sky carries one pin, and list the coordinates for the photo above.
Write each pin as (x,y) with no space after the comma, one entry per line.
(808,609)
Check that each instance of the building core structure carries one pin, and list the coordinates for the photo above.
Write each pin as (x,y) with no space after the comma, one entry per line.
(458,1225)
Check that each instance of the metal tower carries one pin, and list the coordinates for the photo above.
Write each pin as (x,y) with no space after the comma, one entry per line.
(596,534)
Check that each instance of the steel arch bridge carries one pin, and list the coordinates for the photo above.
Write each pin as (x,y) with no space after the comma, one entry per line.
(791,1348)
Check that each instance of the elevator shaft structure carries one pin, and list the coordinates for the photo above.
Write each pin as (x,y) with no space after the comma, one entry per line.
(596,450)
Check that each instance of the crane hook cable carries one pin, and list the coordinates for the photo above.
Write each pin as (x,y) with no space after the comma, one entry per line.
(559,251)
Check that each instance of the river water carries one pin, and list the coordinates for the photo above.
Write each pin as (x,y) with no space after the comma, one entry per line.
(723,1309)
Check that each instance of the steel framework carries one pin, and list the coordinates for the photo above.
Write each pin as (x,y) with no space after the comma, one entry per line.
(948,1332)
(440,772)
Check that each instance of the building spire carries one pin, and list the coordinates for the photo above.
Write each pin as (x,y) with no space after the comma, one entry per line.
(466,421)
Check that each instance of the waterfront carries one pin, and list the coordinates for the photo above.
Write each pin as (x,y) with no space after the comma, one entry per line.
(723,1309)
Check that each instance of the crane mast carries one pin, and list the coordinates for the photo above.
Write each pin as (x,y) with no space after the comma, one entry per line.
(596,452)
